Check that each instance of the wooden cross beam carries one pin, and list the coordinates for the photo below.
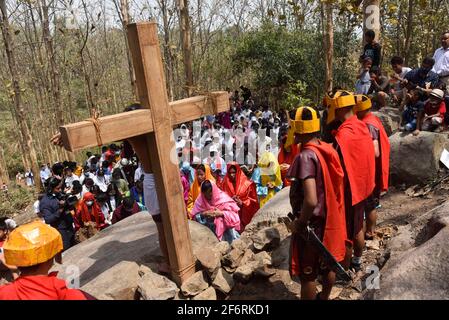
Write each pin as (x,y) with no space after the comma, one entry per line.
(117,127)
(155,121)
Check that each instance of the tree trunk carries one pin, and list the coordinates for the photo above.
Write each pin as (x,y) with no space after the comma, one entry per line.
(408,35)
(328,42)
(371,17)
(186,45)
(28,140)
(51,56)
(3,168)
(167,50)
(124,9)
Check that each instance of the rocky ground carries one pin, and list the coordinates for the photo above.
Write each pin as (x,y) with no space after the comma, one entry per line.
(255,267)
(398,210)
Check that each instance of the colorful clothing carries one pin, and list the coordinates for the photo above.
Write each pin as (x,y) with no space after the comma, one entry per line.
(41,288)
(268,170)
(287,157)
(319,161)
(356,152)
(245,190)
(195,188)
(85,215)
(220,201)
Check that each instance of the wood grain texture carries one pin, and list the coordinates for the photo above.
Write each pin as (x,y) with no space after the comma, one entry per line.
(124,125)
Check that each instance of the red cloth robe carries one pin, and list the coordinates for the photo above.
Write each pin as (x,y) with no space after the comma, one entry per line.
(245,189)
(357,148)
(41,288)
(335,227)
(384,146)
(287,157)
(95,215)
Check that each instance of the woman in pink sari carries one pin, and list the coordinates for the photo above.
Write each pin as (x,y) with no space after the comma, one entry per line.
(215,209)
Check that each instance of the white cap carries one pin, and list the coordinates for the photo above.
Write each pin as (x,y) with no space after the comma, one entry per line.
(213,149)
(437,93)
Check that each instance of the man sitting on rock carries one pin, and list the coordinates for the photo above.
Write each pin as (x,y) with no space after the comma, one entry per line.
(32,248)
(316,196)
(413,107)
(432,117)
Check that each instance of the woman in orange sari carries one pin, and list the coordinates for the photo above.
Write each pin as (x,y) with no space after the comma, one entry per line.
(243,191)
(202,173)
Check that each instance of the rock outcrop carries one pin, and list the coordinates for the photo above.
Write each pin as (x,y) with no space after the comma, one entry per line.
(416,159)
(419,269)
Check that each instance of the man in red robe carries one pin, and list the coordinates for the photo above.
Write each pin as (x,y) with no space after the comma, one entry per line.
(287,153)
(317,200)
(237,185)
(355,147)
(382,153)
(32,248)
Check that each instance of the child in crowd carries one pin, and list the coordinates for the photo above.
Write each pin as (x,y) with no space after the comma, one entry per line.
(363,83)
(432,117)
(414,106)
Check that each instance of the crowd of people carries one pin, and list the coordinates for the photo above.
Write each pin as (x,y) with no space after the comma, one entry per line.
(421,93)
(334,157)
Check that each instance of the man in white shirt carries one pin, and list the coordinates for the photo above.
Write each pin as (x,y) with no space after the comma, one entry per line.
(266,114)
(398,92)
(441,57)
(44,174)
(101,180)
(69,178)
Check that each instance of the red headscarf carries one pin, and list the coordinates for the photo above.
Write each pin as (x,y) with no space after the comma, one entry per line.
(335,229)
(245,189)
(384,145)
(95,215)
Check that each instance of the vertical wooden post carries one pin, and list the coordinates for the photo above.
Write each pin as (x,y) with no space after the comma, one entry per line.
(150,80)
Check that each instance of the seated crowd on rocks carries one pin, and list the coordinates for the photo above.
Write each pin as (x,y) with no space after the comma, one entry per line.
(420,94)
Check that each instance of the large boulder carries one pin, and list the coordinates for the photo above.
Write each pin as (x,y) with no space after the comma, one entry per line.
(415,159)
(421,272)
(276,208)
(389,123)
(133,239)
(113,285)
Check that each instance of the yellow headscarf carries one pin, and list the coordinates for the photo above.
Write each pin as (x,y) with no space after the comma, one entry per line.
(195,188)
(267,171)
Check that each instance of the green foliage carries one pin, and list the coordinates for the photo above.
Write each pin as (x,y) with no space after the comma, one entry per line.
(294,96)
(282,58)
(17,199)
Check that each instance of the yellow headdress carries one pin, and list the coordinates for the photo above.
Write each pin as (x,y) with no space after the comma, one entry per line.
(31,244)
(306,126)
(360,104)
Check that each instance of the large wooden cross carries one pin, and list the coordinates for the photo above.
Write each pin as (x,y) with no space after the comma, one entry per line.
(156,121)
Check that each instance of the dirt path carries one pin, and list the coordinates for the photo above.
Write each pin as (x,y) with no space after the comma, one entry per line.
(397,209)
